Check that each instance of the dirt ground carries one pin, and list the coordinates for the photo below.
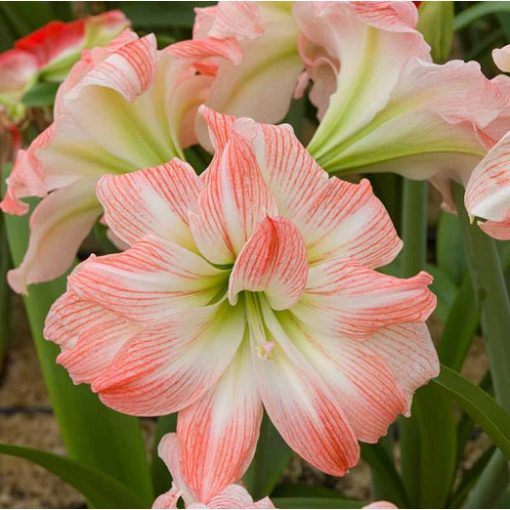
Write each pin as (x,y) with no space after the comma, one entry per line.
(26,419)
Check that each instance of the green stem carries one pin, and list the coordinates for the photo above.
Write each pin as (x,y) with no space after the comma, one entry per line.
(414,227)
(161,479)
(492,296)
(5,295)
(413,258)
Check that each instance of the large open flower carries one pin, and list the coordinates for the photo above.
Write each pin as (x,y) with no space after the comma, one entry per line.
(122,108)
(49,53)
(232,496)
(384,106)
(251,284)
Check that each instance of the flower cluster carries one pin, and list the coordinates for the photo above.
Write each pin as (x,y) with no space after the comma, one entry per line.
(48,53)
(252,286)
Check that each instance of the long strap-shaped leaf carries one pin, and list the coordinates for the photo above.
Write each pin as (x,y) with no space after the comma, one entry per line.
(483,408)
(92,433)
(101,490)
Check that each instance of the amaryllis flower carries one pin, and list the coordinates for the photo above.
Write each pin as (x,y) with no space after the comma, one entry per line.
(122,108)
(251,50)
(384,106)
(488,190)
(232,496)
(48,54)
(251,285)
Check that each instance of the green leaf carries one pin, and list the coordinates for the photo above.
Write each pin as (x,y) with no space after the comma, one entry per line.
(484,409)
(316,503)
(437,446)
(478,10)
(271,458)
(386,474)
(436,24)
(41,94)
(303,490)
(450,253)
(460,326)
(161,478)
(161,15)
(101,490)
(444,289)
(469,478)
(92,433)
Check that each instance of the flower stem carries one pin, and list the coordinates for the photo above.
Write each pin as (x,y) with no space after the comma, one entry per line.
(492,296)
(413,258)
(5,296)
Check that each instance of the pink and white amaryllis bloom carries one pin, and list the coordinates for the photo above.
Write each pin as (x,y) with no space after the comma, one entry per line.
(384,106)
(488,190)
(252,285)
(49,53)
(251,51)
(232,496)
(124,107)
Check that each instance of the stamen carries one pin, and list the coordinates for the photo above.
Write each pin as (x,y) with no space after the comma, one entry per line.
(265,350)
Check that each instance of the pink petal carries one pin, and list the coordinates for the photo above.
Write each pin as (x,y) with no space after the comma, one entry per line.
(347,220)
(27,176)
(90,337)
(169,450)
(151,201)
(236,198)
(234,19)
(167,500)
(361,382)
(409,352)
(218,433)
(17,69)
(303,408)
(288,169)
(344,33)
(344,297)
(130,70)
(163,370)
(58,226)
(209,48)
(274,261)
(149,282)
(501,57)
(488,190)
(236,496)
(336,218)
(219,126)
(382,505)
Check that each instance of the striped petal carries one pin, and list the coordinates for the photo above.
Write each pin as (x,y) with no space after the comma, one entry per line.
(164,370)
(348,220)
(344,297)
(288,169)
(302,407)
(361,382)
(88,335)
(27,176)
(336,218)
(488,190)
(149,282)
(273,261)
(410,353)
(159,199)
(58,226)
(219,432)
(501,57)
(169,451)
(234,201)
(236,496)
